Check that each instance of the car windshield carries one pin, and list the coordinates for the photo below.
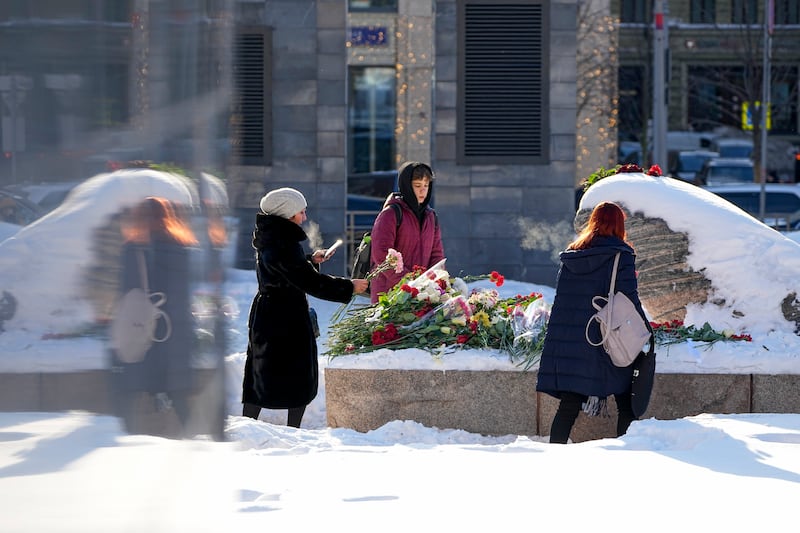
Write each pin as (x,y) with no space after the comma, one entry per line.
(730,173)
(735,150)
(691,162)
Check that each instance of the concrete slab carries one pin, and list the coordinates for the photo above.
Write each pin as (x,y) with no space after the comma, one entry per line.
(90,391)
(680,395)
(87,390)
(490,402)
(776,394)
(501,402)
(20,392)
(585,428)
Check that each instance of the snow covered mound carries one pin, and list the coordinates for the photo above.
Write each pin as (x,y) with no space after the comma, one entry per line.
(43,265)
(754,292)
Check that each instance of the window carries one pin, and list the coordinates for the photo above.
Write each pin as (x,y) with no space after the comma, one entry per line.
(372,5)
(371,119)
(14,9)
(703,12)
(787,12)
(503,82)
(744,11)
(784,106)
(632,83)
(110,93)
(633,11)
(714,99)
(251,119)
(115,10)
(104,10)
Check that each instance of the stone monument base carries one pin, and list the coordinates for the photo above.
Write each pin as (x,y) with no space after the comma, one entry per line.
(506,402)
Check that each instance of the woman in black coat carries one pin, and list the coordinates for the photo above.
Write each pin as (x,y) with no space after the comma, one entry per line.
(578,374)
(281,370)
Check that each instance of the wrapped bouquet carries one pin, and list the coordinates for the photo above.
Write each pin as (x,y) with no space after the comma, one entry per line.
(430,310)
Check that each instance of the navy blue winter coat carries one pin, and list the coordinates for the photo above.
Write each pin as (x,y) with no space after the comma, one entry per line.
(281,370)
(167,365)
(569,363)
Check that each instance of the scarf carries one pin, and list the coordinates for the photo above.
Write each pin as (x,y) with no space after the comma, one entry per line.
(595,406)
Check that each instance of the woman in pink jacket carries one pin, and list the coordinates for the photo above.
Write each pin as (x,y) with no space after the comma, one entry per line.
(413,230)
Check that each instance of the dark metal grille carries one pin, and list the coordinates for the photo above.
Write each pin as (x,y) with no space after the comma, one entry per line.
(502,84)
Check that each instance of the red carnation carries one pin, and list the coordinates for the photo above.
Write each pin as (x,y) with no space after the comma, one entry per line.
(496,278)
(655,170)
(630,167)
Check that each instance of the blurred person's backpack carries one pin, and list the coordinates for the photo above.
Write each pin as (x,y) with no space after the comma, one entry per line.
(623,330)
(136,316)
(361,257)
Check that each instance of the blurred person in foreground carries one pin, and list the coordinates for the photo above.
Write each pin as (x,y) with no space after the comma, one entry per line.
(580,375)
(282,370)
(158,239)
(417,237)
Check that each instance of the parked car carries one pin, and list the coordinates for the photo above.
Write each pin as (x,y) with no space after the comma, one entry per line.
(781,201)
(677,141)
(722,170)
(629,152)
(46,195)
(685,164)
(16,209)
(688,140)
(732,147)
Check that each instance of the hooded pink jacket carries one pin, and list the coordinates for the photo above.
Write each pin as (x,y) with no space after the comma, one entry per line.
(419,244)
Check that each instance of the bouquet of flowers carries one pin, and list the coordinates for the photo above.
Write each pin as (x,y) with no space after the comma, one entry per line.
(393,261)
(430,310)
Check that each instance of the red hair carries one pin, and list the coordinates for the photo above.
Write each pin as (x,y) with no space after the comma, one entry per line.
(608,220)
(156,216)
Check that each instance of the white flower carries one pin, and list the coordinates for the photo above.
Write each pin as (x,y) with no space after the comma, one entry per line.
(460,286)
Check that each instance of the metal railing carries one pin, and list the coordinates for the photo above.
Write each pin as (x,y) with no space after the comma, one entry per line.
(354,232)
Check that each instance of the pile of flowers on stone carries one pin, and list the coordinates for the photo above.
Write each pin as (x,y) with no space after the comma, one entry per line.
(601,173)
(675,331)
(432,311)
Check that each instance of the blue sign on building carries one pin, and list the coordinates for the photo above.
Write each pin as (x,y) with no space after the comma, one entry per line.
(368,35)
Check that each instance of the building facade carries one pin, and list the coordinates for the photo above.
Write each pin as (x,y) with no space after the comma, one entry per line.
(715,58)
(484,91)
(328,96)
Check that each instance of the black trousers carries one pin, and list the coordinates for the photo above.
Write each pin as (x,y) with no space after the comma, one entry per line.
(570,406)
(294,418)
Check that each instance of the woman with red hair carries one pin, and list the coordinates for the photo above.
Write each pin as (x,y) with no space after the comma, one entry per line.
(157,239)
(580,375)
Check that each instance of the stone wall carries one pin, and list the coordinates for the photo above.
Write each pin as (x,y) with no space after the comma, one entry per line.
(486,402)
(505,402)
(90,390)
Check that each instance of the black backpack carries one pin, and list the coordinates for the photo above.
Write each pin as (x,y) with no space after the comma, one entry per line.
(361,257)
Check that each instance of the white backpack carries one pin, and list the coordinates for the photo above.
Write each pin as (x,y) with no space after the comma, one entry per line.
(136,316)
(623,330)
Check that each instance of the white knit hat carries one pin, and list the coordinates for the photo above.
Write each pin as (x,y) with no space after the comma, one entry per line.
(285,202)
